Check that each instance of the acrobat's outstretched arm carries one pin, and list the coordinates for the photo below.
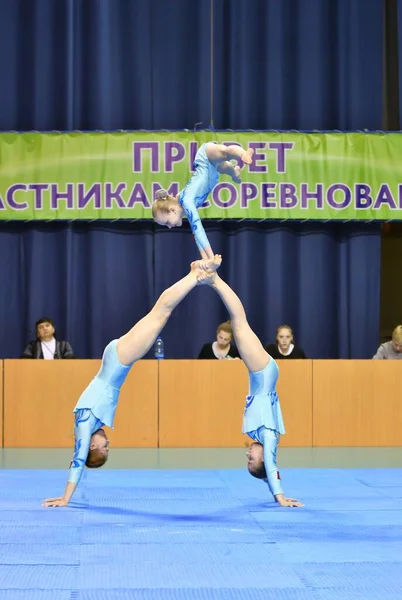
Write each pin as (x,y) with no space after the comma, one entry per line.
(85,425)
(197,228)
(270,442)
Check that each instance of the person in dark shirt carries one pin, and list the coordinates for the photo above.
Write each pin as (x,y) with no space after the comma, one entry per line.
(46,346)
(222,348)
(284,347)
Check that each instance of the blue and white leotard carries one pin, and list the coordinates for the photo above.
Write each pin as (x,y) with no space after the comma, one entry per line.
(195,193)
(262,419)
(96,407)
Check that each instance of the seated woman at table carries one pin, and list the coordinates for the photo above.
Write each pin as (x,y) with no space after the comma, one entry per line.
(391,350)
(285,346)
(222,347)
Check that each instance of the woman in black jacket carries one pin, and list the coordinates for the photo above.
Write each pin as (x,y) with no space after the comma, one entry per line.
(284,347)
(222,348)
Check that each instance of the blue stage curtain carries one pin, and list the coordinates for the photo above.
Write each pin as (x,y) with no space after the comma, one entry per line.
(308,64)
(96,280)
(157,64)
(130,64)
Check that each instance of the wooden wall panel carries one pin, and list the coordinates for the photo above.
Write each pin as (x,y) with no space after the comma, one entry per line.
(40,396)
(201,403)
(357,403)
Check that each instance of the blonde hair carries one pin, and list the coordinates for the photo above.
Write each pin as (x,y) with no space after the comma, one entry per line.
(226,327)
(96,459)
(162,202)
(397,334)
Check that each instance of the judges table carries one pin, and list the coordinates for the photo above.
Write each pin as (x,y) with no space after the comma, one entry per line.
(193,403)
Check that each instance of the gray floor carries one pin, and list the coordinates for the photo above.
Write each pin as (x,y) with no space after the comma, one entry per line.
(206,458)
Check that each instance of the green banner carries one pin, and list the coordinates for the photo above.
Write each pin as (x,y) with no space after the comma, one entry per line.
(299,176)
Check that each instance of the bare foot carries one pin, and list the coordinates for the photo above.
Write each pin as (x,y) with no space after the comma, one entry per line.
(205,277)
(212,264)
(200,275)
(236,176)
(205,270)
(247,157)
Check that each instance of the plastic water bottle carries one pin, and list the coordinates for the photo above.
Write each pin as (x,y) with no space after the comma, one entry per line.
(159,349)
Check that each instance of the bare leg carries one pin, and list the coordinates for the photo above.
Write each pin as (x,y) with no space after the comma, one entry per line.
(227,168)
(255,359)
(135,344)
(249,346)
(219,153)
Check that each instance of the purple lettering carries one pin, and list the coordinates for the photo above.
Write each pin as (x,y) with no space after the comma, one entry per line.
(138,147)
(281,148)
(288,198)
(38,188)
(400,195)
(174,152)
(266,194)
(224,203)
(248,191)
(10,196)
(138,196)
(56,196)
(2,205)
(114,195)
(384,196)
(331,196)
(254,168)
(84,197)
(317,195)
(363,195)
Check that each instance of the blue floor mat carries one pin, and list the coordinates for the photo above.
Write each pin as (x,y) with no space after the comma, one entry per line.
(196,535)
(174,533)
(352,575)
(39,554)
(36,595)
(192,576)
(45,577)
(32,534)
(372,593)
(199,594)
(37,516)
(337,552)
(202,553)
